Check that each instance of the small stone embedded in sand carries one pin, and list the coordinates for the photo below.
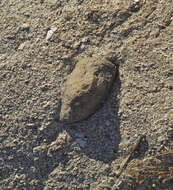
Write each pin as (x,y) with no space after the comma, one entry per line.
(25,26)
(50,32)
(23,45)
(86,88)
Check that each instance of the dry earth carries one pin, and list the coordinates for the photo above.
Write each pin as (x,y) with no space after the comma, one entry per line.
(36,150)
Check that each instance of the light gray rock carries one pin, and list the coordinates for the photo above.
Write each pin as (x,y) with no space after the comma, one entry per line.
(86,88)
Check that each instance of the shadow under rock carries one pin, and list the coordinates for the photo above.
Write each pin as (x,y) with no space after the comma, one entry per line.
(98,137)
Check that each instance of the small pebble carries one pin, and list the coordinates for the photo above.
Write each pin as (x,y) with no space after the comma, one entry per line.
(25,26)
(161,140)
(23,45)
(84,40)
(31,125)
(76,45)
(136,1)
(50,32)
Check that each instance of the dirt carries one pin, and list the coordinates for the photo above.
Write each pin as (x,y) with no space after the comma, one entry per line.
(39,152)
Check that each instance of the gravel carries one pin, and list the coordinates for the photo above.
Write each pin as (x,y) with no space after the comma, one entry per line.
(36,150)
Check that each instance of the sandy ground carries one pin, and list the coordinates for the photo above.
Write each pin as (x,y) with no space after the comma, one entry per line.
(39,152)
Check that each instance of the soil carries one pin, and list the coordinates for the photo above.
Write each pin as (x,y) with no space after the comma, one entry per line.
(40,43)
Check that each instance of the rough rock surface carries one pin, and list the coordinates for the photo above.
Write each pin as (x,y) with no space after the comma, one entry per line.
(86,88)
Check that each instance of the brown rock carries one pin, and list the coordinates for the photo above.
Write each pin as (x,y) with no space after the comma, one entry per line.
(86,88)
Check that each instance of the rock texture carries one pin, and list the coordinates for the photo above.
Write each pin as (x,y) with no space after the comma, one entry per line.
(86,88)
